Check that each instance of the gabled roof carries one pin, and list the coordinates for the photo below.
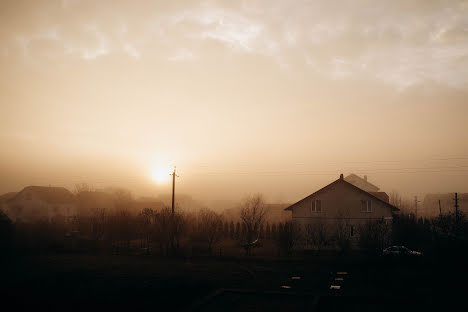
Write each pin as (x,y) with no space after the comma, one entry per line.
(51,195)
(7,196)
(382,195)
(347,184)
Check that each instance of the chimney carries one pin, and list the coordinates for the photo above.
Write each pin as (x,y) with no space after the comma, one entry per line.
(365,178)
(341,176)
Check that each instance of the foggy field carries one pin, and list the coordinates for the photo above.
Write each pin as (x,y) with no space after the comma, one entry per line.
(66,281)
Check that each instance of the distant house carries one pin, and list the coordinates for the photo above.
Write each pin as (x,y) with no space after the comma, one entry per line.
(362,183)
(341,202)
(147,203)
(41,202)
(431,208)
(4,199)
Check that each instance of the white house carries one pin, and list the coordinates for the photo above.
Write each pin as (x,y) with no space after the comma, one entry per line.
(41,202)
(341,204)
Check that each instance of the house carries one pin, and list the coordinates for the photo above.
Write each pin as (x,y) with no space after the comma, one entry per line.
(362,183)
(146,203)
(41,203)
(4,199)
(342,206)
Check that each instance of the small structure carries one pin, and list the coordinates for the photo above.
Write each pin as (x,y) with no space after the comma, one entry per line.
(41,202)
(340,206)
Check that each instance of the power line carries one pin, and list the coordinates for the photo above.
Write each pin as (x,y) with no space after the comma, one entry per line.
(461,169)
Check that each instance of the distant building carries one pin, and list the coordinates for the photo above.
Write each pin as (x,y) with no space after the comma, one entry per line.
(362,183)
(430,205)
(4,199)
(89,201)
(41,202)
(342,202)
(147,203)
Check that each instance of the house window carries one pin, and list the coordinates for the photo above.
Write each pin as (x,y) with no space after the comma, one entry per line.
(366,206)
(316,206)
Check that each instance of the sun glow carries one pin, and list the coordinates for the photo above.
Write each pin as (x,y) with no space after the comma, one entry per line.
(160,173)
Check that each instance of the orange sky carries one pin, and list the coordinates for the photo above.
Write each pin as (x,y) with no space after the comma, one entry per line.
(277,97)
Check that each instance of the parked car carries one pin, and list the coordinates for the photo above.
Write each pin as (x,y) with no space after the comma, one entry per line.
(255,243)
(400,251)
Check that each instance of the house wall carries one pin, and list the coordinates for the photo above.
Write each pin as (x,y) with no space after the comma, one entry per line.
(29,207)
(24,207)
(340,203)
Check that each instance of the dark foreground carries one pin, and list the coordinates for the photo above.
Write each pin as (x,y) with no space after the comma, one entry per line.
(133,283)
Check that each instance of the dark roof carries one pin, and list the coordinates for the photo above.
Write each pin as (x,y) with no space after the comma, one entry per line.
(346,183)
(51,195)
(382,195)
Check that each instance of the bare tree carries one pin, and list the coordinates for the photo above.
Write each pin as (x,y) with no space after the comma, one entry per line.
(98,222)
(374,235)
(252,214)
(395,199)
(209,227)
(180,227)
(121,230)
(317,234)
(146,218)
(404,204)
(450,224)
(289,236)
(343,232)
(231,230)
(122,198)
(162,229)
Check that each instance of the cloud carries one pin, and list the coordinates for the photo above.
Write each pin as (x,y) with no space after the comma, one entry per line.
(396,42)
(97,45)
(68,3)
(182,55)
(225,26)
(131,50)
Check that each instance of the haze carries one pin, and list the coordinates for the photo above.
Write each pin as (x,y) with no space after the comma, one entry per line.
(277,97)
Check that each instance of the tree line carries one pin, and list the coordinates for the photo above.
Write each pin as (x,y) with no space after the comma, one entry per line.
(161,232)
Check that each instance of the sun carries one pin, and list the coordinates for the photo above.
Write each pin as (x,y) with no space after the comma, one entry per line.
(160,173)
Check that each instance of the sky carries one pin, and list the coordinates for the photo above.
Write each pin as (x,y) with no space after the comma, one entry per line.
(276,97)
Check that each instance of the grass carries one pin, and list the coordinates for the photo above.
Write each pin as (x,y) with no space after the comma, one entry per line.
(105,281)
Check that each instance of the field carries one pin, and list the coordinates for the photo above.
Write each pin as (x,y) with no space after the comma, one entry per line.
(109,282)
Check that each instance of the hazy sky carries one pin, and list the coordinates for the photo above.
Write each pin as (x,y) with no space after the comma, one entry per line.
(277,97)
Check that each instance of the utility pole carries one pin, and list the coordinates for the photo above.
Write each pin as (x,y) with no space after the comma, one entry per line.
(456,208)
(174,175)
(440,209)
